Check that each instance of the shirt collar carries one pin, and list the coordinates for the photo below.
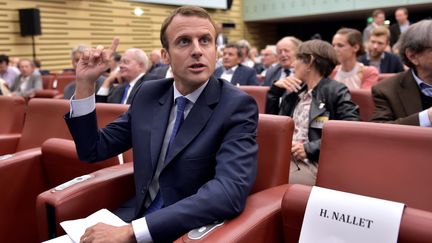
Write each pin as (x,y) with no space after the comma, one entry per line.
(133,82)
(192,97)
(232,68)
(368,57)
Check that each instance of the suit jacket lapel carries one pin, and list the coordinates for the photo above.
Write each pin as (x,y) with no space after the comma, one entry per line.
(317,105)
(161,113)
(409,94)
(236,76)
(196,119)
(134,89)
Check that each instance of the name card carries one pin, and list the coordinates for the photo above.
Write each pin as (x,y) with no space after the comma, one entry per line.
(337,217)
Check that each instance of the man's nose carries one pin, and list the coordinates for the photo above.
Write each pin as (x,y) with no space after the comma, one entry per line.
(197,49)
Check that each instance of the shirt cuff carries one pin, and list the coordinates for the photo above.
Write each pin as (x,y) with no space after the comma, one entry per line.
(141,231)
(424,119)
(103,91)
(82,107)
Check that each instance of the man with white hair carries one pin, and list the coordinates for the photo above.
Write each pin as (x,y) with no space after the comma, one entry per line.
(130,75)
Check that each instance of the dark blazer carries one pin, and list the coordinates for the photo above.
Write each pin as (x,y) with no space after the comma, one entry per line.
(330,99)
(389,64)
(394,33)
(160,72)
(210,167)
(69,89)
(155,66)
(273,74)
(116,93)
(397,100)
(242,75)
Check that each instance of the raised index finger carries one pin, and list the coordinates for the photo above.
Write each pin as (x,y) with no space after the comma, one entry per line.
(114,44)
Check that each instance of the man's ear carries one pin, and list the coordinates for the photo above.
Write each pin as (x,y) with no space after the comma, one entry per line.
(165,56)
(411,56)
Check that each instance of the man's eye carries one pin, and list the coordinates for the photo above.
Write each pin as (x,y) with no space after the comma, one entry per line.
(205,40)
(183,41)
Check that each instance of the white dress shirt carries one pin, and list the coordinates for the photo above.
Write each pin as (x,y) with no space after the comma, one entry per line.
(228,73)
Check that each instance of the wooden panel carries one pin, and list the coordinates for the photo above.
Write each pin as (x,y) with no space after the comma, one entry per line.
(66,23)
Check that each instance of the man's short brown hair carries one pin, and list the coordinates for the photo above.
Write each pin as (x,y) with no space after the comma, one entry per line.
(184,11)
(380,31)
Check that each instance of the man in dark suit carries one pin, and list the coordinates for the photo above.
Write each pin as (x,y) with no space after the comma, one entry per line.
(232,70)
(155,61)
(401,25)
(407,97)
(376,56)
(131,73)
(286,49)
(194,137)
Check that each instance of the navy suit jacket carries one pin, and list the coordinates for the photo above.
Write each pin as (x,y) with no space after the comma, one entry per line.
(389,64)
(273,74)
(210,167)
(242,75)
(116,94)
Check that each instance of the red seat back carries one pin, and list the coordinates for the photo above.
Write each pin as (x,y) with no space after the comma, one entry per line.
(259,93)
(385,161)
(363,98)
(12,112)
(274,151)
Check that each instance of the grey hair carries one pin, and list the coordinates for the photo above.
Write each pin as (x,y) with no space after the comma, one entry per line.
(417,38)
(140,56)
(80,48)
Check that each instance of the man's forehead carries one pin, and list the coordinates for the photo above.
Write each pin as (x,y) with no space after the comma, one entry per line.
(183,25)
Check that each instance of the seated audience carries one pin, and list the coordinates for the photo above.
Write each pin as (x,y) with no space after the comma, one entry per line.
(76,54)
(311,99)
(268,60)
(286,49)
(348,45)
(26,83)
(407,97)
(6,71)
(155,60)
(233,71)
(131,74)
(378,17)
(113,64)
(245,59)
(376,55)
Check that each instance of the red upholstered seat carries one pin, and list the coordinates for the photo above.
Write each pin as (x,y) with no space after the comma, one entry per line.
(12,111)
(274,140)
(33,170)
(378,160)
(259,93)
(363,98)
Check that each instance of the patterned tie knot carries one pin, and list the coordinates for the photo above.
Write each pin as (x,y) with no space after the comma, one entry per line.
(287,72)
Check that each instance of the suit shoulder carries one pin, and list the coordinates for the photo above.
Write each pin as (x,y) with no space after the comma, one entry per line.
(392,81)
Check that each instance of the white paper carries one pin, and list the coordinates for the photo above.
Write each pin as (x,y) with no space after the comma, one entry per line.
(60,239)
(76,228)
(338,217)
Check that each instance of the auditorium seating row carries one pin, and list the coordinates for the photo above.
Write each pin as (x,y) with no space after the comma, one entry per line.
(53,85)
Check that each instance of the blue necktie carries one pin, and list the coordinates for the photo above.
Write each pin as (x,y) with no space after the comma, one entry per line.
(426,89)
(181,102)
(287,72)
(125,92)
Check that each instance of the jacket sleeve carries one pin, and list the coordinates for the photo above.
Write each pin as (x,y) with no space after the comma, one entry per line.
(273,100)
(384,114)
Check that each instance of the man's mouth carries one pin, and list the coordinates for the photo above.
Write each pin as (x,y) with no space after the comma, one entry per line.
(197,65)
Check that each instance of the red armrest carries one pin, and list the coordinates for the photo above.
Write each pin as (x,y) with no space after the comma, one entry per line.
(21,180)
(108,188)
(9,143)
(61,162)
(259,222)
